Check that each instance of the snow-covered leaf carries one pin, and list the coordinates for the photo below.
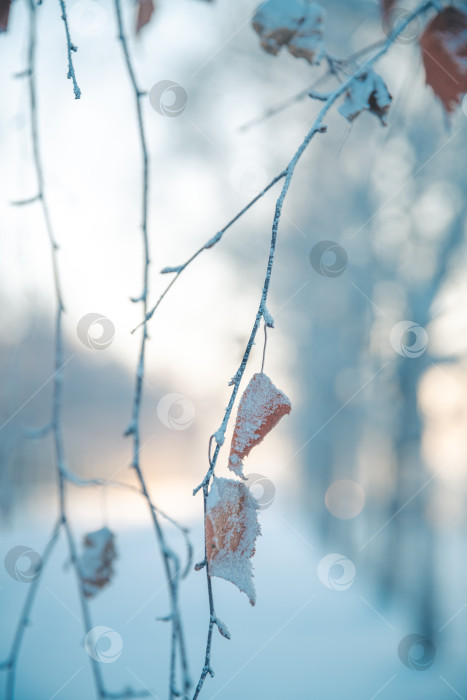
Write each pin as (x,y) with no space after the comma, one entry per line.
(368,92)
(261,408)
(97,561)
(145,11)
(231,531)
(444,51)
(297,24)
(307,42)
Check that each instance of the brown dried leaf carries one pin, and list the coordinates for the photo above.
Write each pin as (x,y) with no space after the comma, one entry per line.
(97,560)
(369,93)
(261,407)
(297,24)
(145,11)
(444,52)
(4,14)
(231,531)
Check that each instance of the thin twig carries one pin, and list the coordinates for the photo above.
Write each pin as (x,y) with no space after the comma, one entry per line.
(334,65)
(284,104)
(210,243)
(170,559)
(24,619)
(71,48)
(184,531)
(264,347)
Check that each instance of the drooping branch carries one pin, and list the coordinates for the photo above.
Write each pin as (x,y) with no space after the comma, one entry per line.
(54,426)
(170,559)
(347,67)
(218,436)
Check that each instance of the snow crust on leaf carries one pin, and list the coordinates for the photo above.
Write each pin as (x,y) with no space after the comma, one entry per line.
(231,531)
(444,52)
(297,24)
(97,561)
(369,93)
(261,407)
(307,42)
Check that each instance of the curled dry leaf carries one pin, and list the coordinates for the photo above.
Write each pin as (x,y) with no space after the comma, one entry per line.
(231,531)
(97,560)
(145,11)
(261,407)
(444,52)
(297,24)
(369,93)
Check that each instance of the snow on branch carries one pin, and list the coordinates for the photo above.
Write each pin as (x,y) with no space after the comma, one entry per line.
(71,48)
(317,128)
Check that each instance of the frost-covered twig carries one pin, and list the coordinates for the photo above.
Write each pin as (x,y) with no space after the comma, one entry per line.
(343,65)
(318,127)
(210,243)
(302,94)
(24,620)
(54,427)
(71,48)
(170,559)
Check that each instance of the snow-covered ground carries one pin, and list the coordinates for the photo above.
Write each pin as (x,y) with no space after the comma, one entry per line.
(301,640)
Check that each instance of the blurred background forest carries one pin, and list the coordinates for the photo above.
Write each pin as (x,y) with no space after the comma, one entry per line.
(372,462)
